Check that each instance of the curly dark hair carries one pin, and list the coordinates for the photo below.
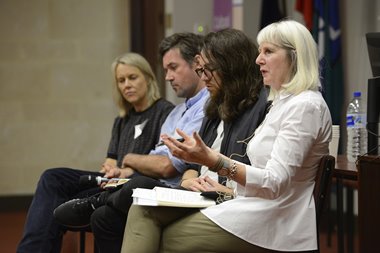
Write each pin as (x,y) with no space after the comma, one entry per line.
(233,55)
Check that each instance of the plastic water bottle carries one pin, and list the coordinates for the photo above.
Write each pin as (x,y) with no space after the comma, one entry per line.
(356,128)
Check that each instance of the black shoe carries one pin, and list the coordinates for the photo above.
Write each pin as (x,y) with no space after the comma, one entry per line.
(76,213)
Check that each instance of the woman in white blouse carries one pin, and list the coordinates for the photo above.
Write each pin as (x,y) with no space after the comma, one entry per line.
(274,207)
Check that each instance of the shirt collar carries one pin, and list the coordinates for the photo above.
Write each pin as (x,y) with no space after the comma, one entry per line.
(283,94)
(193,100)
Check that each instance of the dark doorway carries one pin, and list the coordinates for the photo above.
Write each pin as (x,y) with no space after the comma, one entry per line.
(147,31)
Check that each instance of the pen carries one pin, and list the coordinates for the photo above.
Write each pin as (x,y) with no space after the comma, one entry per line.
(161,143)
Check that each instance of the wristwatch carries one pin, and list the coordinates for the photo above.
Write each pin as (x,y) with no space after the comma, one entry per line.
(225,170)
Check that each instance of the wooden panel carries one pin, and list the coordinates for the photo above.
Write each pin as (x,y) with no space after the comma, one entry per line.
(369,203)
(147,31)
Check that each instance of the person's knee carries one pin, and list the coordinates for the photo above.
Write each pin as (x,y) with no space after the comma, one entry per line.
(142,182)
(97,218)
(53,173)
(123,198)
(49,176)
(125,192)
(52,178)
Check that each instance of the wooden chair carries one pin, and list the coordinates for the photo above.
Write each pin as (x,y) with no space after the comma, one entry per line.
(82,231)
(82,237)
(82,240)
(322,186)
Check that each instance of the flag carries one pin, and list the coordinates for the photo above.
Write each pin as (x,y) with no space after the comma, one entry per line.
(306,8)
(322,19)
(272,11)
(326,32)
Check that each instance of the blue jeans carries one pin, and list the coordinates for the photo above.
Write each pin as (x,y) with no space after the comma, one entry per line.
(56,186)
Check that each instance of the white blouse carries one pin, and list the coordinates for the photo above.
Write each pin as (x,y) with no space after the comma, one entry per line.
(275,209)
(215,146)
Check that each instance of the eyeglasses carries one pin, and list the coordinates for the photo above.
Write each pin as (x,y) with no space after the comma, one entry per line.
(206,71)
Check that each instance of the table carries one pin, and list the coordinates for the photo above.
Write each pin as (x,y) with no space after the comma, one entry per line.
(345,173)
(364,175)
(369,203)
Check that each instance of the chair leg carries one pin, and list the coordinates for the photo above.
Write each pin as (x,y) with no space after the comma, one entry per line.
(95,247)
(350,219)
(82,241)
(330,223)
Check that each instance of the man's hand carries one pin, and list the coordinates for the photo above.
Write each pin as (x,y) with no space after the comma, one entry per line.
(106,167)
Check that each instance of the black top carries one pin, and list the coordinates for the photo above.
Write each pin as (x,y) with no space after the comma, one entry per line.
(138,132)
(238,132)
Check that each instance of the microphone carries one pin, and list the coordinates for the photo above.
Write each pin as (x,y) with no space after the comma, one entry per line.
(90,180)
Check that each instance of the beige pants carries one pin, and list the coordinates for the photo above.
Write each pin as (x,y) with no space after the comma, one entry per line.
(171,229)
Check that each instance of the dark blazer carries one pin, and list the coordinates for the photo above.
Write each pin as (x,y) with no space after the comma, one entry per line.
(239,129)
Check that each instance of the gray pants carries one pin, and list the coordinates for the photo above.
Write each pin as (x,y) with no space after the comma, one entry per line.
(171,229)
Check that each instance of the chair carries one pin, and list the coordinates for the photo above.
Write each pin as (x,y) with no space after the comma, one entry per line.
(322,186)
(82,237)
(82,240)
(87,229)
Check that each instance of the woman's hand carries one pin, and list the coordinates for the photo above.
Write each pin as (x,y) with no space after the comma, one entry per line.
(192,149)
(116,172)
(108,165)
(204,185)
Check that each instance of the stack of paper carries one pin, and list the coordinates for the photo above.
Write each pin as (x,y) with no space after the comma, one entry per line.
(160,196)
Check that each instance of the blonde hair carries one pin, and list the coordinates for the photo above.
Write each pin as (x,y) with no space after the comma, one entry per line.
(302,54)
(138,61)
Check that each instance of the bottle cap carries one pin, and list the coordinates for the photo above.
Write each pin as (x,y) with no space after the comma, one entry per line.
(357,94)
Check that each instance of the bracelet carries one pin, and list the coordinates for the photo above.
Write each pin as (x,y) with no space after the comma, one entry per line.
(232,171)
(218,165)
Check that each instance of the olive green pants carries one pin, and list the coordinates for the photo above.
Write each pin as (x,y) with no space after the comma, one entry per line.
(178,230)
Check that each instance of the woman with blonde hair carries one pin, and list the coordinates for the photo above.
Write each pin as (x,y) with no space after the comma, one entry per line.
(135,130)
(139,62)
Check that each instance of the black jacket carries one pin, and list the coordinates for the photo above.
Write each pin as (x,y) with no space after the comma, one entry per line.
(239,129)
